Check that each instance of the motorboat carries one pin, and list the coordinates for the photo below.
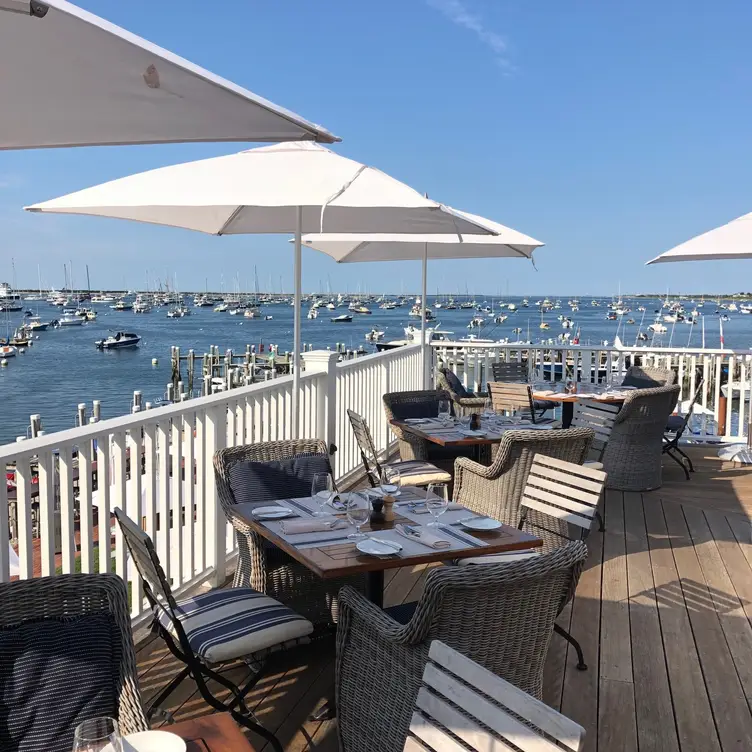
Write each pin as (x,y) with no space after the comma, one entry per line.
(313,313)
(657,328)
(413,336)
(345,318)
(122,305)
(69,319)
(141,306)
(252,313)
(7,351)
(374,335)
(118,341)
(477,322)
(178,312)
(331,305)
(221,307)
(35,324)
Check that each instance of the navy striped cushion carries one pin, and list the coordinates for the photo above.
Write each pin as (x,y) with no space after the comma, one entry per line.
(227,624)
(53,675)
(282,479)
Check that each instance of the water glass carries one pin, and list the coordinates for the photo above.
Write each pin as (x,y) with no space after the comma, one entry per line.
(437,500)
(358,512)
(322,491)
(390,478)
(97,734)
(465,420)
(445,410)
(488,410)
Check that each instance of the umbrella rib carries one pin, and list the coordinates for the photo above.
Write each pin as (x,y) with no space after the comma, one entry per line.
(338,193)
(230,219)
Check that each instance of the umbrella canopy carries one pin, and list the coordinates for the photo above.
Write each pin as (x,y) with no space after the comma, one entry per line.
(260,190)
(73,79)
(297,187)
(730,241)
(350,248)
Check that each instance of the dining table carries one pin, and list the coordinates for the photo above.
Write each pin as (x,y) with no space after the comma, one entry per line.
(612,396)
(332,552)
(211,733)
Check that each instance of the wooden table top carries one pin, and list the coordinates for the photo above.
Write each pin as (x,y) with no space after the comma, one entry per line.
(211,733)
(560,397)
(492,436)
(343,559)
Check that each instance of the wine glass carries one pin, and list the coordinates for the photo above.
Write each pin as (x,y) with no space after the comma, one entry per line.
(437,500)
(358,512)
(322,491)
(488,409)
(445,411)
(390,479)
(96,734)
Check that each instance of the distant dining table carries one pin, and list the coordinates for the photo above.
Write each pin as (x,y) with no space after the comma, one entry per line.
(332,553)
(614,396)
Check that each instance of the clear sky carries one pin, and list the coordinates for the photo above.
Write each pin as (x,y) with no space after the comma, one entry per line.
(609,130)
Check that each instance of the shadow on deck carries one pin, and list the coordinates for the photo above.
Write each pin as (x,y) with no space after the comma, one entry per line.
(663,612)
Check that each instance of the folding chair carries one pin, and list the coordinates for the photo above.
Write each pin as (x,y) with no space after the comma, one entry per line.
(675,428)
(213,628)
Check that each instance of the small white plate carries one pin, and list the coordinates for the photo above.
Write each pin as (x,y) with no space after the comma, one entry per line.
(481,523)
(272,513)
(376,548)
(153,741)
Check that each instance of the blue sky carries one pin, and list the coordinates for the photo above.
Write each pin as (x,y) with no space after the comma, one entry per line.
(610,131)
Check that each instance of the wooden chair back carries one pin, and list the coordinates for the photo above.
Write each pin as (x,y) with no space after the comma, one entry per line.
(509,371)
(599,416)
(368,452)
(463,707)
(509,397)
(562,490)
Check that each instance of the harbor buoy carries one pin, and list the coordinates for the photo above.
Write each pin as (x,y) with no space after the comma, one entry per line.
(155,361)
(3,362)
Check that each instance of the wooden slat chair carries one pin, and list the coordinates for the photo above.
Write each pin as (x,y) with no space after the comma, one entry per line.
(463,707)
(599,416)
(511,372)
(508,397)
(411,472)
(558,504)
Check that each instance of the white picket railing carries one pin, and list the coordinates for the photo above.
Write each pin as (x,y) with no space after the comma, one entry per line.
(63,523)
(726,375)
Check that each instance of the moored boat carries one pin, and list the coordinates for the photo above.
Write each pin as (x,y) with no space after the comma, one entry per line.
(118,341)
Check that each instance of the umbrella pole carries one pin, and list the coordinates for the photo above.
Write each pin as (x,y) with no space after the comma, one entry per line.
(424,346)
(297,270)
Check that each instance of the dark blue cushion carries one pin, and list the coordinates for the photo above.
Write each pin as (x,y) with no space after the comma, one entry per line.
(253,482)
(54,674)
(455,385)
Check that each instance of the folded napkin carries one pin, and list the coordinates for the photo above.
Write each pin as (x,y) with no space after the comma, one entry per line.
(294,527)
(421,508)
(422,535)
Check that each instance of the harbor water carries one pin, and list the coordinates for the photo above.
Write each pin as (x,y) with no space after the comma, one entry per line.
(63,368)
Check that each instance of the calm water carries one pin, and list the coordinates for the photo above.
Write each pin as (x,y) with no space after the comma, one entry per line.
(64,368)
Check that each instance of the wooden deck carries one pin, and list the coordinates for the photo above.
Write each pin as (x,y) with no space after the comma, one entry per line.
(663,612)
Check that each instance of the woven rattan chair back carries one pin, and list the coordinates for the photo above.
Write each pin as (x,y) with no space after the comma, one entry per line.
(509,397)
(564,491)
(460,699)
(599,416)
(368,452)
(647,377)
(510,371)
(73,595)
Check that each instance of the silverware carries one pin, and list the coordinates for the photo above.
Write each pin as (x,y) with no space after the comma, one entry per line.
(389,544)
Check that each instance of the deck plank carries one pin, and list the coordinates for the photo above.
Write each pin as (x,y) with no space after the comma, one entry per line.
(656,727)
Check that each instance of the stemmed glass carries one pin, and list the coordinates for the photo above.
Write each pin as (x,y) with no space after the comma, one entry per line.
(96,734)
(358,512)
(390,479)
(322,491)
(437,500)
(445,411)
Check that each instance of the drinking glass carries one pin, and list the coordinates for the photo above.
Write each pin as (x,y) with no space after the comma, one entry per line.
(437,500)
(464,421)
(445,410)
(96,734)
(358,512)
(322,491)
(390,476)
(488,410)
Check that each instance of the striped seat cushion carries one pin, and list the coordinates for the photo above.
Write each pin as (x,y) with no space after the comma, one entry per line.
(419,473)
(227,624)
(593,464)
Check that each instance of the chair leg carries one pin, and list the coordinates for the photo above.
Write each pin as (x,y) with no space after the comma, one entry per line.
(680,462)
(601,524)
(686,457)
(581,665)
(164,693)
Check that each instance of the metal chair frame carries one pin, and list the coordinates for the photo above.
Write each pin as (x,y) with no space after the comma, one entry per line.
(671,443)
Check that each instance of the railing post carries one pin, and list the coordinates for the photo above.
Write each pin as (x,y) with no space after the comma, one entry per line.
(325,361)
(215,433)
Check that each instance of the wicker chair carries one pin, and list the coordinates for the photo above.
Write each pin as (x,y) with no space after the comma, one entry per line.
(645,377)
(633,454)
(465,403)
(501,616)
(261,565)
(61,600)
(496,490)
(411,472)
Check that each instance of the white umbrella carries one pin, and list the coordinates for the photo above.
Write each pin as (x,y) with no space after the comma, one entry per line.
(350,248)
(730,241)
(71,78)
(727,242)
(297,187)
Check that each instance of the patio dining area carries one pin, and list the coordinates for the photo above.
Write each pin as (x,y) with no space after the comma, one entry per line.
(662,610)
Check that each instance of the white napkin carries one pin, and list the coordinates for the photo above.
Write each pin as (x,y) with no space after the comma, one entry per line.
(424,536)
(294,527)
(421,507)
